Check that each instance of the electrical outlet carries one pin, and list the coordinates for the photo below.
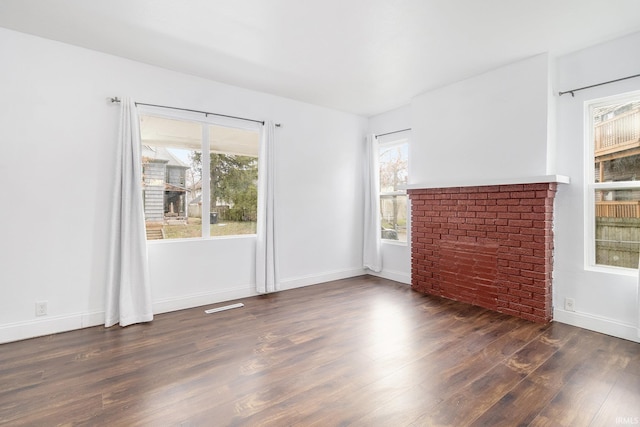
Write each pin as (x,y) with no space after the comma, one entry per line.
(569,304)
(41,308)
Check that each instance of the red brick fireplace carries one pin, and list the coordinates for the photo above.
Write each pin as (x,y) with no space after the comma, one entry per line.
(487,245)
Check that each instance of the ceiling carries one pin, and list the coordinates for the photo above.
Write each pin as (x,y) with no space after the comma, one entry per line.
(360,56)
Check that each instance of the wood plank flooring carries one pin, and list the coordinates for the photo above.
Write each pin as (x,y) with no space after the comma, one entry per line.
(362,351)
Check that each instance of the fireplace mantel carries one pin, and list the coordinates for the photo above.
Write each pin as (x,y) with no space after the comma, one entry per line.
(480,182)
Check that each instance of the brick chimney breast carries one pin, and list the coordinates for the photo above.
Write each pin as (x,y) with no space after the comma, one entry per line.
(490,246)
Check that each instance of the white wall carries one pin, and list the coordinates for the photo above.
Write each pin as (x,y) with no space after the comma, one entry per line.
(491,126)
(57,134)
(604,301)
(396,258)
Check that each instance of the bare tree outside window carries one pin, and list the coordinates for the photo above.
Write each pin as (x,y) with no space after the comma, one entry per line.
(393,161)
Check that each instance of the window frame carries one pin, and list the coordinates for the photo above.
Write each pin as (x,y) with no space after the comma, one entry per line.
(205,120)
(591,186)
(385,141)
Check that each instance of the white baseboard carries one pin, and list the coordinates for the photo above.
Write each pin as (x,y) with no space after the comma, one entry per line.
(315,279)
(92,319)
(39,327)
(204,298)
(396,276)
(57,324)
(597,324)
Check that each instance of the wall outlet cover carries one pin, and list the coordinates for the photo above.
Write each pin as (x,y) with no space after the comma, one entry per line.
(569,304)
(41,308)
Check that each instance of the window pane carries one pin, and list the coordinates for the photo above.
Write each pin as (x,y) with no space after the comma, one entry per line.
(393,166)
(616,148)
(174,182)
(616,131)
(393,161)
(617,227)
(170,178)
(393,213)
(233,175)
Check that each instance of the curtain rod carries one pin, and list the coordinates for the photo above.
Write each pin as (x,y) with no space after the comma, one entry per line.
(391,133)
(206,113)
(597,84)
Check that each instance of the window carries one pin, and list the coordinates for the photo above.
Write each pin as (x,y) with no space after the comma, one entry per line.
(199,178)
(393,162)
(614,183)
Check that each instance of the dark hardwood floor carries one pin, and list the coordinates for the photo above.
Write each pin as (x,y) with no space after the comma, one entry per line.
(362,351)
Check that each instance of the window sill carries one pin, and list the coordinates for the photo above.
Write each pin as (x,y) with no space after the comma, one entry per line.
(620,271)
(393,242)
(201,239)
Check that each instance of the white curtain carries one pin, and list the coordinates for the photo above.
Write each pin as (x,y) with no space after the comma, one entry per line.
(266,261)
(372,250)
(128,288)
(638,306)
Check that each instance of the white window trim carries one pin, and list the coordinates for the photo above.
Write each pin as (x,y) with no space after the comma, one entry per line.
(386,141)
(205,120)
(395,242)
(591,186)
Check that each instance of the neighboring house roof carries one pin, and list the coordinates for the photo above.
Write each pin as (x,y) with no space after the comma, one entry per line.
(171,187)
(602,113)
(162,154)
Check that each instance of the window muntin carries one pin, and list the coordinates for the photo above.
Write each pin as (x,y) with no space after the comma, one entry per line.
(613,195)
(393,168)
(178,195)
